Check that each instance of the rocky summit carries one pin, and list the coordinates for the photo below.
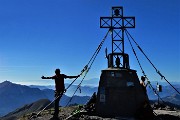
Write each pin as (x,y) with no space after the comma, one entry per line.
(79,113)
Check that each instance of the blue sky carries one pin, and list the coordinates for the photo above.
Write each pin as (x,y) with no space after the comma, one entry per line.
(38,36)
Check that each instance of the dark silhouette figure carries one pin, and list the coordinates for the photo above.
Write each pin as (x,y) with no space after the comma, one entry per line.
(143,84)
(59,88)
(145,112)
(117,62)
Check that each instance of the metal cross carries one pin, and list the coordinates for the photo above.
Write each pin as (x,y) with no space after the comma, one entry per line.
(117,23)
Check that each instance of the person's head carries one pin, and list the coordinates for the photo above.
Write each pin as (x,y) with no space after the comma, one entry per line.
(57,71)
(143,78)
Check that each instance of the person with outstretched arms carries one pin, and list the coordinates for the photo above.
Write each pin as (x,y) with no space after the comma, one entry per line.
(59,88)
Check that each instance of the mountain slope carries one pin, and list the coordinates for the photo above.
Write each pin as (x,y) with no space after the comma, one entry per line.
(29,108)
(13,96)
(175,99)
(167,90)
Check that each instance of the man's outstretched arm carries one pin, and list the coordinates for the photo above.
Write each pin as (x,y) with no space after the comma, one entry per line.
(73,76)
(46,77)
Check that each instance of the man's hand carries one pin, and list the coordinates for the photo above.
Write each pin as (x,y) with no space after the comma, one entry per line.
(43,77)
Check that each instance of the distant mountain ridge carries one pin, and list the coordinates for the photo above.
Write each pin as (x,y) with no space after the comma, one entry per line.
(13,96)
(167,90)
(82,91)
(175,99)
(167,94)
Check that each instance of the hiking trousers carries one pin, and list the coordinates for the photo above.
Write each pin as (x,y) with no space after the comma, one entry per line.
(58,96)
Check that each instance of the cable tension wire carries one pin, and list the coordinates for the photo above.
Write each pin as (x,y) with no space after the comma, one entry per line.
(142,68)
(162,77)
(90,63)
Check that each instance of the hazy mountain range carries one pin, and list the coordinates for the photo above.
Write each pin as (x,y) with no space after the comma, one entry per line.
(82,91)
(14,96)
(87,90)
(167,90)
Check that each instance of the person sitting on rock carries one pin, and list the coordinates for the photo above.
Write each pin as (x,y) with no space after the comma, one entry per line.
(143,84)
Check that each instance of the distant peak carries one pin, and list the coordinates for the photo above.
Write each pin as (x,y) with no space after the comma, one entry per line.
(5,83)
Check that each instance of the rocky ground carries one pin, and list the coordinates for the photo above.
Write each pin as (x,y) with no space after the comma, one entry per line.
(168,112)
(71,113)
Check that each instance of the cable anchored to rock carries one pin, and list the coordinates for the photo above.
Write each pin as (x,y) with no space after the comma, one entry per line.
(162,76)
(85,69)
(90,63)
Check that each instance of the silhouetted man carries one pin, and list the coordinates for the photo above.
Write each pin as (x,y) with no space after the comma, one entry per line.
(59,88)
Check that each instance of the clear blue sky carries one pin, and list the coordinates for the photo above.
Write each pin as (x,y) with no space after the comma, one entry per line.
(38,36)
